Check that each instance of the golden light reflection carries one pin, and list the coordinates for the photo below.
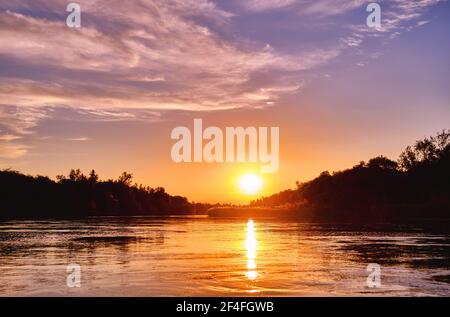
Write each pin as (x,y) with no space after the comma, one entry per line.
(251,247)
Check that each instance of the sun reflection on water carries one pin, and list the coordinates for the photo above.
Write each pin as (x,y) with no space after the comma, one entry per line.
(251,246)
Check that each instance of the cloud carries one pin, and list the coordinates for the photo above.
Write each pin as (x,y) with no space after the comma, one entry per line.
(398,16)
(263,5)
(80,139)
(304,7)
(12,151)
(16,123)
(133,60)
(9,137)
(160,54)
(20,121)
(329,7)
(400,12)
(138,55)
(420,23)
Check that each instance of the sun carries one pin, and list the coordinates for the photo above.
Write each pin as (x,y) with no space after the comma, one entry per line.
(250,184)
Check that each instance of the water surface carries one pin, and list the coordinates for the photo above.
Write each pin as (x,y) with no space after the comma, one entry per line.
(197,256)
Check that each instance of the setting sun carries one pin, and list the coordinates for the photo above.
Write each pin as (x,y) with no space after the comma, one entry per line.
(250,184)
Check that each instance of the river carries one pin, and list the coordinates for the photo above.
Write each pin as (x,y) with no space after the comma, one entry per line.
(200,256)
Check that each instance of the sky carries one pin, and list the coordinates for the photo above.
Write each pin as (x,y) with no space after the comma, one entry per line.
(107,95)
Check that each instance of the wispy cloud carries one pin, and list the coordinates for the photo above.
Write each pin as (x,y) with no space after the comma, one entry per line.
(80,139)
(12,151)
(263,5)
(131,60)
(304,7)
(16,123)
(328,7)
(155,56)
(9,137)
(19,121)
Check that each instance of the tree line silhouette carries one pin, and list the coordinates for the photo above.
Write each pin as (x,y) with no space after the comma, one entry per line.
(78,195)
(417,186)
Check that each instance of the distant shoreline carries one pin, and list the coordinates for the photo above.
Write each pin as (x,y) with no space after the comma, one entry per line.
(381,190)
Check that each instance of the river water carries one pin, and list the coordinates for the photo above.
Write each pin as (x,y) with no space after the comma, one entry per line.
(200,256)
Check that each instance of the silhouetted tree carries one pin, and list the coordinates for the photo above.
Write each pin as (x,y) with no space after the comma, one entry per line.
(76,175)
(125,178)
(425,151)
(93,177)
(381,189)
(78,196)
(382,162)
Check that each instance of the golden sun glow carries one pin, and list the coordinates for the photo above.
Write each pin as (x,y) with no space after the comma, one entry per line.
(250,184)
